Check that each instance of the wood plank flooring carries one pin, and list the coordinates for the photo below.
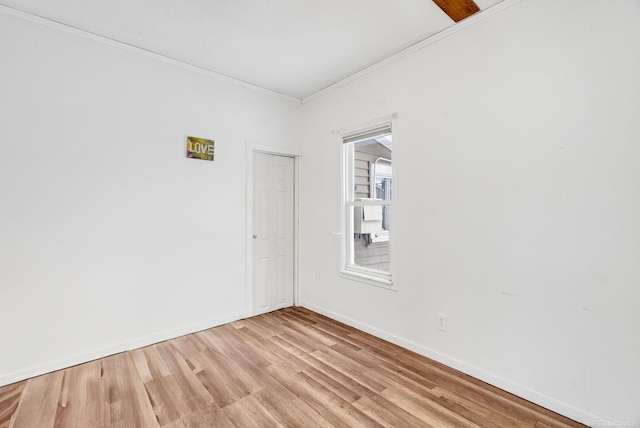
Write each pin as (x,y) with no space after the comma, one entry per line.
(291,368)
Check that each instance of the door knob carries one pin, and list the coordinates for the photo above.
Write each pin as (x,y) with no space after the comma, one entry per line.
(255,236)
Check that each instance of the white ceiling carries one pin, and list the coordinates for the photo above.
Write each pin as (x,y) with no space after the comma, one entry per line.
(293,47)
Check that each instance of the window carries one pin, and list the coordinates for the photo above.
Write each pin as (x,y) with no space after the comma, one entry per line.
(368,184)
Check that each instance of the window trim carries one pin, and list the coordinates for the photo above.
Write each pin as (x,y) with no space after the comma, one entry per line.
(363,274)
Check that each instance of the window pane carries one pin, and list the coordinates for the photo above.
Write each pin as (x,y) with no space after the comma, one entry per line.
(372,168)
(371,241)
(369,174)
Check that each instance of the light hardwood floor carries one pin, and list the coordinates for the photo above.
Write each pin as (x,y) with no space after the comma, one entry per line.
(290,368)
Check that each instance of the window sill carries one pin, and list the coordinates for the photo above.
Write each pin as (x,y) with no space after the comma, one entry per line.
(386,283)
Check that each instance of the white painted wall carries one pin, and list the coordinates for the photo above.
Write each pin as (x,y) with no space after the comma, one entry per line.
(109,237)
(516,214)
(517,204)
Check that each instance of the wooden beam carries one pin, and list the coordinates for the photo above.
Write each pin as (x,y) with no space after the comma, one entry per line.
(458,9)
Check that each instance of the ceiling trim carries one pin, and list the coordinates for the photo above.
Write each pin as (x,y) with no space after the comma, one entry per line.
(474,19)
(197,69)
(135,49)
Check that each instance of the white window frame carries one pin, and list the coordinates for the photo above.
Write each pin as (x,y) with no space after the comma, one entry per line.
(348,268)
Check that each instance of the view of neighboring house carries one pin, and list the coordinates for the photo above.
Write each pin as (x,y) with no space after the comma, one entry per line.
(373,180)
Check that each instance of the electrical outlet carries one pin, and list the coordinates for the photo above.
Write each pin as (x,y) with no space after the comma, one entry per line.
(441,322)
(317,273)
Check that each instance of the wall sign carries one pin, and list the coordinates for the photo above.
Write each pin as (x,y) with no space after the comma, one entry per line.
(199,148)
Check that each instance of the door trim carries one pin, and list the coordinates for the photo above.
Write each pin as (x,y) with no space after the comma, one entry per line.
(251,148)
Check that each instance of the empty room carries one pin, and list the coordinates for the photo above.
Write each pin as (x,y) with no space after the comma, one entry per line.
(230,213)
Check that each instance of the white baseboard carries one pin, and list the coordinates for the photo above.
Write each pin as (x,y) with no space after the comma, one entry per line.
(478,373)
(492,379)
(141,342)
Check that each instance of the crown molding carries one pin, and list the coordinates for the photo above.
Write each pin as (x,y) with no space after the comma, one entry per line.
(138,50)
(7,10)
(472,20)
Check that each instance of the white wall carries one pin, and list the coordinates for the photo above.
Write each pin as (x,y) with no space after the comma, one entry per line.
(109,237)
(517,204)
(516,212)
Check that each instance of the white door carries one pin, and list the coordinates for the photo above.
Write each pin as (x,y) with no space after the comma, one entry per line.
(273,206)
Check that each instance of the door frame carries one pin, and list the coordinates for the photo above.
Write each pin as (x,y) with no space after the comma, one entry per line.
(251,148)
